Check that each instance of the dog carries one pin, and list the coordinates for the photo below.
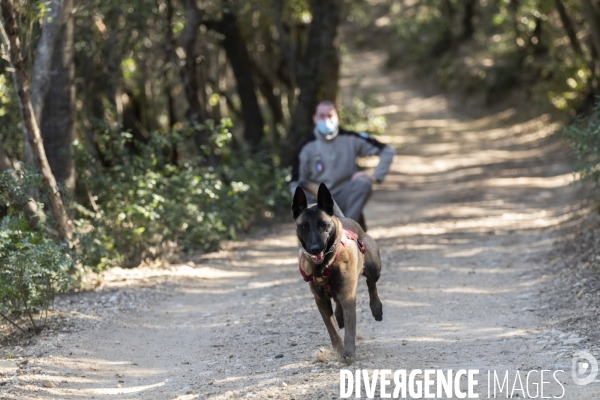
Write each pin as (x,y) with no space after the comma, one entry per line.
(334,252)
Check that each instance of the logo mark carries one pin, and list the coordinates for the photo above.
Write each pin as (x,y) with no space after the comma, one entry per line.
(582,361)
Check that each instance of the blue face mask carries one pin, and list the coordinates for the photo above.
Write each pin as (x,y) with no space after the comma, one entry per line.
(326,127)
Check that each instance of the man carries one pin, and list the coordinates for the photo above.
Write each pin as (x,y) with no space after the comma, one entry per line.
(329,154)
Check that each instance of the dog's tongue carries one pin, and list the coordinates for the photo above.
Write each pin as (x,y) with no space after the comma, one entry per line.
(318,258)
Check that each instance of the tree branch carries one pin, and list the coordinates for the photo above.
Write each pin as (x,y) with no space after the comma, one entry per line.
(13,324)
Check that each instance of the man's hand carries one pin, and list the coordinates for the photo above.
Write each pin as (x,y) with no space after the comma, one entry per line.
(362,173)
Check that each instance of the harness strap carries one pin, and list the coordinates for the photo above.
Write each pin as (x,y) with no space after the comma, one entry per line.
(323,282)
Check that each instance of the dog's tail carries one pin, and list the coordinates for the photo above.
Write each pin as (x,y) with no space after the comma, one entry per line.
(313,189)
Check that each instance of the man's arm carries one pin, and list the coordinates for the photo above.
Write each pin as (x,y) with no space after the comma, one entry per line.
(368,146)
(386,156)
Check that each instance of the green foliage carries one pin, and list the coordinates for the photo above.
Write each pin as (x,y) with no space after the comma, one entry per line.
(10,117)
(516,45)
(12,188)
(584,137)
(358,116)
(419,32)
(141,204)
(33,266)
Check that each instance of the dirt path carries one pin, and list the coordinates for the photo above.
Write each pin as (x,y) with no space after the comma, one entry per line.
(465,221)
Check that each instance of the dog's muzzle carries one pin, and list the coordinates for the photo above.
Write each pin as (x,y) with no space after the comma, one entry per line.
(318,259)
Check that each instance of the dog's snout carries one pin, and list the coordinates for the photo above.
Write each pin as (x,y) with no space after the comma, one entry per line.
(315,249)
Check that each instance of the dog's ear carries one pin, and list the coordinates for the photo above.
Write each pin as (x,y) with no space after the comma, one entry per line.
(299,203)
(324,199)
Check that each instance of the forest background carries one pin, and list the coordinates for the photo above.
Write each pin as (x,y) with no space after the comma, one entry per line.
(135,130)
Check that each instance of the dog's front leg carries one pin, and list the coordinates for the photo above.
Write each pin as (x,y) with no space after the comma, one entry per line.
(346,296)
(348,303)
(324,306)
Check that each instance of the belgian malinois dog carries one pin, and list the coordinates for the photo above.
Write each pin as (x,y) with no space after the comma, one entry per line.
(334,252)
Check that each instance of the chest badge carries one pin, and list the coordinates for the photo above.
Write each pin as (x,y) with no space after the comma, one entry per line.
(319,165)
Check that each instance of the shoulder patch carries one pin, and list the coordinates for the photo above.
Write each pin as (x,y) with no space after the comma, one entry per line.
(363,135)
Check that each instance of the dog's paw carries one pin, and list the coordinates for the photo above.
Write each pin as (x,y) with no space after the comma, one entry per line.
(377,311)
(349,359)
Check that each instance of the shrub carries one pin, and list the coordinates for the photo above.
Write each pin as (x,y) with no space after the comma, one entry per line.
(33,266)
(358,116)
(142,204)
(584,137)
(419,33)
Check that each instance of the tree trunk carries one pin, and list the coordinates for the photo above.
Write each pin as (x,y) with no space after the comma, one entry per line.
(539,46)
(513,8)
(321,36)
(189,74)
(30,126)
(448,11)
(288,51)
(467,22)
(591,16)
(169,61)
(234,46)
(52,26)
(194,86)
(40,80)
(330,72)
(57,121)
(266,86)
(110,85)
(568,25)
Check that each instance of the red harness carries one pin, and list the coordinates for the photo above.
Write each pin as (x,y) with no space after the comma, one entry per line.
(323,282)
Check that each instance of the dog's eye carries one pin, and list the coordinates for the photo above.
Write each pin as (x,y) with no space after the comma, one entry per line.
(322,225)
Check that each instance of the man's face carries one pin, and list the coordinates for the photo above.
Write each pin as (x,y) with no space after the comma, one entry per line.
(326,112)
